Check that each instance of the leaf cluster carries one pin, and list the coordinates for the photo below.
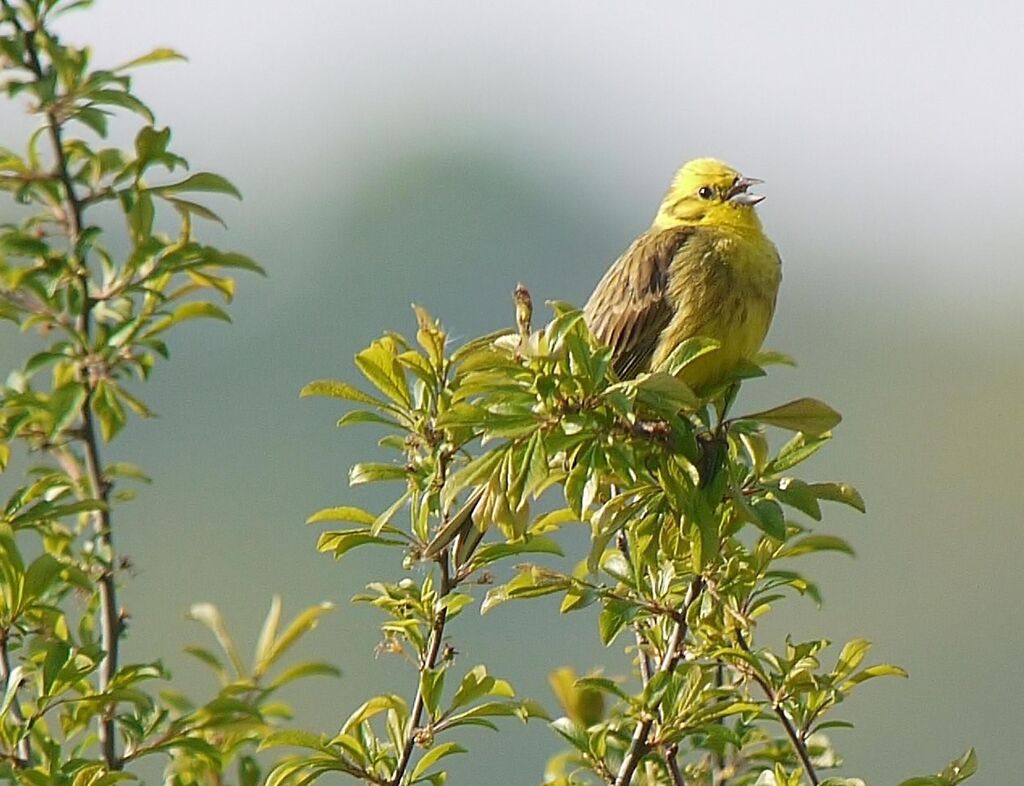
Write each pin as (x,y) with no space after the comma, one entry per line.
(698,522)
(100,298)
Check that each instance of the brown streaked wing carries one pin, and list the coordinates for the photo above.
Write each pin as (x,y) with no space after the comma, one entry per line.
(629,308)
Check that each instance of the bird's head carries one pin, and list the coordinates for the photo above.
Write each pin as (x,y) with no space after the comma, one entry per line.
(708,192)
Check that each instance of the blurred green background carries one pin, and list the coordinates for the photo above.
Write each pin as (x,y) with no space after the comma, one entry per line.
(393,152)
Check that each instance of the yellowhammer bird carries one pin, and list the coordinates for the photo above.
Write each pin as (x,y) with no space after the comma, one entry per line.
(704,268)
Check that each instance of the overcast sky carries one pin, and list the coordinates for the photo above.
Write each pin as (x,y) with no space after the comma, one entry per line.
(887,131)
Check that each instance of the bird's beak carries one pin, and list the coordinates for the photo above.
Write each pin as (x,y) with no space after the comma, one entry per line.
(738,194)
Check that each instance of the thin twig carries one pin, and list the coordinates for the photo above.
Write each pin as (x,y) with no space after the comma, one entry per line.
(718,758)
(799,744)
(622,542)
(644,662)
(433,649)
(639,744)
(673,766)
(22,752)
(110,621)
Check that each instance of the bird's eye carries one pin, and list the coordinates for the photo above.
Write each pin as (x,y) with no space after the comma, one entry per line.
(706,192)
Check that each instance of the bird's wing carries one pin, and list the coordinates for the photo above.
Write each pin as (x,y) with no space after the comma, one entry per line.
(629,307)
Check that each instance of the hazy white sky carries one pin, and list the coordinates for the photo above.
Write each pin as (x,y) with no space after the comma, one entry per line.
(891,131)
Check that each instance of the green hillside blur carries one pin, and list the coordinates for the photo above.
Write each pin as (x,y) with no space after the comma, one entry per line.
(929,389)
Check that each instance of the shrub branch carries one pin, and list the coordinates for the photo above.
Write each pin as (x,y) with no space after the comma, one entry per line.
(22,751)
(640,742)
(70,215)
(429,661)
(799,744)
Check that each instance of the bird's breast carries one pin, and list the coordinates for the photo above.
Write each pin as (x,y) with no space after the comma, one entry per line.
(726,291)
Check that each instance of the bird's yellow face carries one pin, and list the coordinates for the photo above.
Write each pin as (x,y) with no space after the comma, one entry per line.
(707,191)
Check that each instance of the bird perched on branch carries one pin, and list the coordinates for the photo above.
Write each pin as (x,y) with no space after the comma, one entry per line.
(704,268)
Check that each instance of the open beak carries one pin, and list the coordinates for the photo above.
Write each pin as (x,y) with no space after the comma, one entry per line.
(738,194)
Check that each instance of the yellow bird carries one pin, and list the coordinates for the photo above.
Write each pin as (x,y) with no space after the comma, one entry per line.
(704,268)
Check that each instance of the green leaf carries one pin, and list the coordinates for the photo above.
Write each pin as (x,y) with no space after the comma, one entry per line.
(798,495)
(66,406)
(249,773)
(41,360)
(209,615)
(374,473)
(813,543)
(835,724)
(489,709)
(364,416)
(431,686)
(18,244)
(431,757)
(134,404)
(476,684)
(807,415)
(205,656)
(48,510)
(232,259)
(796,451)
(303,670)
(341,542)
(572,733)
(485,555)
(160,55)
(687,352)
(532,582)
(294,738)
(472,473)
(379,364)
(768,517)
(303,623)
(200,181)
(772,357)
(454,602)
(122,99)
(756,446)
(599,684)
(839,492)
(552,521)
(375,706)
(268,634)
(576,598)
(665,392)
(40,575)
(961,769)
(333,388)
(880,670)
(199,309)
(187,208)
(139,213)
(14,681)
(97,775)
(343,513)
(615,564)
(851,656)
(615,615)
(96,119)
(384,519)
(744,369)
